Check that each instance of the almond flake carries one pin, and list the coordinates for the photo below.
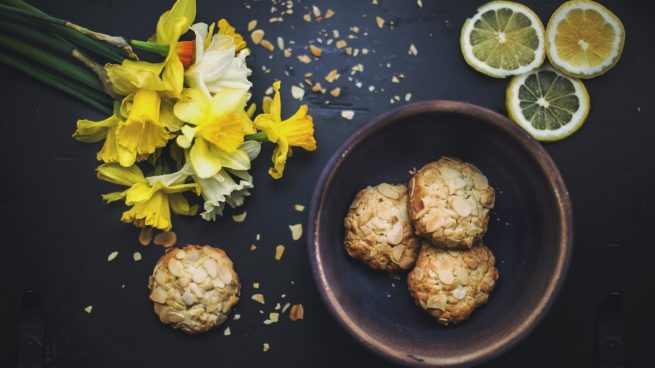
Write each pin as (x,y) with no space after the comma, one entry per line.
(280,43)
(240,217)
(395,79)
(347,114)
(329,13)
(112,256)
(274,317)
(252,25)
(341,44)
(297,312)
(332,76)
(379,21)
(419,3)
(88,309)
(296,231)
(255,285)
(279,252)
(412,50)
(257,36)
(374,2)
(136,256)
(259,298)
(236,317)
(336,92)
(286,306)
(298,207)
(253,247)
(307,17)
(316,51)
(316,11)
(304,59)
(287,53)
(297,92)
(408,97)
(145,236)
(267,45)
(266,347)
(227,331)
(316,87)
(166,238)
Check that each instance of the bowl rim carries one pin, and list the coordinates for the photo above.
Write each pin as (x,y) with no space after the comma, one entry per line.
(565,242)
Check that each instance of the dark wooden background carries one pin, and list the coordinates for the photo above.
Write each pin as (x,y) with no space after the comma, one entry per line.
(57,232)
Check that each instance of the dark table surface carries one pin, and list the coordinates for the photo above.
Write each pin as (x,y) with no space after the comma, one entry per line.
(58,232)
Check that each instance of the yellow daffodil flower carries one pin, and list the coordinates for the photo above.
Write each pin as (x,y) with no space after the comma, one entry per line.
(111,152)
(216,131)
(220,59)
(166,76)
(143,131)
(296,131)
(151,199)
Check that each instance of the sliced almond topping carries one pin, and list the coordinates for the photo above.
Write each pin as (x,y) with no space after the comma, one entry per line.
(397,253)
(158,295)
(279,252)
(480,182)
(296,231)
(297,312)
(461,206)
(316,51)
(240,217)
(395,236)
(145,236)
(436,302)
(267,45)
(459,293)
(379,21)
(418,273)
(446,276)
(198,275)
(435,223)
(166,239)
(225,275)
(252,25)
(112,256)
(388,191)
(176,268)
(257,36)
(136,256)
(259,298)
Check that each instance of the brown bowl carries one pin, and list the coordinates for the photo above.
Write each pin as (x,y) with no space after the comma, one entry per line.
(530,232)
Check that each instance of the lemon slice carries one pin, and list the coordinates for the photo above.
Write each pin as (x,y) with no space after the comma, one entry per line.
(503,38)
(585,39)
(548,104)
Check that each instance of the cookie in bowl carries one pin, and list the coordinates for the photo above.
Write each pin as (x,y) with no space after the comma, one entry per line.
(450,284)
(449,203)
(378,230)
(194,288)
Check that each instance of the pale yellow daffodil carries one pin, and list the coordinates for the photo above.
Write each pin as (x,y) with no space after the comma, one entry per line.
(143,131)
(166,76)
(216,130)
(296,131)
(111,152)
(151,199)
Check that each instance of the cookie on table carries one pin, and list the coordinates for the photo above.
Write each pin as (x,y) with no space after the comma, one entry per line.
(449,203)
(378,230)
(194,288)
(450,284)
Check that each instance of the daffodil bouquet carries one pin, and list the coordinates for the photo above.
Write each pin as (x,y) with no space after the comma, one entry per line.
(185,120)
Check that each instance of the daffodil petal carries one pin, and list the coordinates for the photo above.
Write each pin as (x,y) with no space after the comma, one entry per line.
(201,30)
(91,131)
(204,162)
(167,116)
(227,101)
(118,174)
(193,106)
(180,205)
(174,22)
(237,160)
(276,105)
(173,75)
(140,192)
(114,196)
(154,212)
(251,148)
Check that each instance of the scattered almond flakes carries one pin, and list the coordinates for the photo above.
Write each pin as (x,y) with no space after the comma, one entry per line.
(258,237)
(332,76)
(287,53)
(252,24)
(240,217)
(298,207)
(267,45)
(374,2)
(112,256)
(274,317)
(297,312)
(227,331)
(316,11)
(307,17)
(341,44)
(316,51)
(297,92)
(145,236)
(304,59)
(329,13)
(88,309)
(165,238)
(279,252)
(277,306)
(419,3)
(395,79)
(412,50)
(266,347)
(136,256)
(236,316)
(296,231)
(255,285)
(316,87)
(347,114)
(286,306)
(408,97)
(253,247)
(259,298)
(379,21)
(280,43)
(336,92)
(257,36)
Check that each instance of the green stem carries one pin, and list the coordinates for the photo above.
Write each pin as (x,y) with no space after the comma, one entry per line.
(151,47)
(69,69)
(259,137)
(54,81)
(41,38)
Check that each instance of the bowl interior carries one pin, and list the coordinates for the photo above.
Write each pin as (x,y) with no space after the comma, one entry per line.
(525,233)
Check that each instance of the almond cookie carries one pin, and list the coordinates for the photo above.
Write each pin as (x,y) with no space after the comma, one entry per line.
(194,288)
(378,230)
(450,284)
(449,203)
